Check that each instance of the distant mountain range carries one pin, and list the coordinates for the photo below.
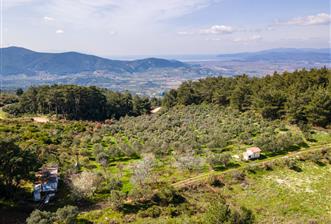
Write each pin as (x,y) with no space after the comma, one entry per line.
(18,60)
(22,68)
(281,54)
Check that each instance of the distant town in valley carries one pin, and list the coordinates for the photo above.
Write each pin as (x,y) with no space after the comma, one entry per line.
(150,76)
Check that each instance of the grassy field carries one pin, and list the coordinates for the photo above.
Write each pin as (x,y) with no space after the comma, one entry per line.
(287,196)
(3,114)
(276,195)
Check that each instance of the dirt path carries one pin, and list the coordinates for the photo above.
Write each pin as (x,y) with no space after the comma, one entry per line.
(41,119)
(199,178)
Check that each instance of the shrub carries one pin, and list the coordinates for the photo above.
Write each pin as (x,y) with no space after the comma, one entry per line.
(216,182)
(292,164)
(152,212)
(168,195)
(84,184)
(218,213)
(12,109)
(67,214)
(243,216)
(268,166)
(222,159)
(238,176)
(116,199)
(189,161)
(143,169)
(40,217)
(251,168)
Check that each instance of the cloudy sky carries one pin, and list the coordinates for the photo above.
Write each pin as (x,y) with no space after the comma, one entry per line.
(164,27)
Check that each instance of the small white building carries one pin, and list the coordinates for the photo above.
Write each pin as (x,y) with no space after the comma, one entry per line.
(252,153)
(46,184)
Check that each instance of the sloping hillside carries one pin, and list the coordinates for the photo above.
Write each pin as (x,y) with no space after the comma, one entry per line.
(23,61)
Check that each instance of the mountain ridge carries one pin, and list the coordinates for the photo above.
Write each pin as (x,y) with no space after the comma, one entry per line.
(280,54)
(17,60)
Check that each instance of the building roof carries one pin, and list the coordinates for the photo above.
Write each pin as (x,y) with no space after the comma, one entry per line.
(254,149)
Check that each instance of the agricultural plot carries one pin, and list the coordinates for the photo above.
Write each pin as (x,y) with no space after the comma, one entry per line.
(133,165)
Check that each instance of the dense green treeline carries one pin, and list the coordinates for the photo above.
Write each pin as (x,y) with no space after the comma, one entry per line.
(302,96)
(78,102)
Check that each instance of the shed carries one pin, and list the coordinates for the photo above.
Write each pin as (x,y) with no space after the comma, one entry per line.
(252,153)
(46,182)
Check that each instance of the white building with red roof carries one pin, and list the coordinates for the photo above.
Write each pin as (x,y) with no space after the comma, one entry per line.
(252,153)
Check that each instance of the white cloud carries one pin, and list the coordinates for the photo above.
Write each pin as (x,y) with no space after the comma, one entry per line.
(318,19)
(48,19)
(248,39)
(122,12)
(217,29)
(59,31)
(185,33)
(101,12)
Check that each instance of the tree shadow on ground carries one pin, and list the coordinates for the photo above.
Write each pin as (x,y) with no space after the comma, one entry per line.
(223,168)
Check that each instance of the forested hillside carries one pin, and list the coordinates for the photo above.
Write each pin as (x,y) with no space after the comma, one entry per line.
(182,164)
(301,97)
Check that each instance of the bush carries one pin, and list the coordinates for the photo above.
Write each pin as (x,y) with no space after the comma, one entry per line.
(216,182)
(292,164)
(251,168)
(152,212)
(222,159)
(84,184)
(243,216)
(116,199)
(40,217)
(168,195)
(189,161)
(219,212)
(268,166)
(143,170)
(238,176)
(12,109)
(65,215)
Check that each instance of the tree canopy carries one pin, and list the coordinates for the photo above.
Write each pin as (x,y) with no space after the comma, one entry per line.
(301,96)
(79,102)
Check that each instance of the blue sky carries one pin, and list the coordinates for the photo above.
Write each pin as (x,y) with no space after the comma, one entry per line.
(164,27)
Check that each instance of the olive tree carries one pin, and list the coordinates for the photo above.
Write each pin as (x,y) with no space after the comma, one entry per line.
(84,184)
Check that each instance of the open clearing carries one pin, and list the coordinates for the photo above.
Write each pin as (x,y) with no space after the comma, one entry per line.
(3,114)
(41,119)
(287,196)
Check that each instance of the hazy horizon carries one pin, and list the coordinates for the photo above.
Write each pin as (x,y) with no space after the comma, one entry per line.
(182,57)
(111,28)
